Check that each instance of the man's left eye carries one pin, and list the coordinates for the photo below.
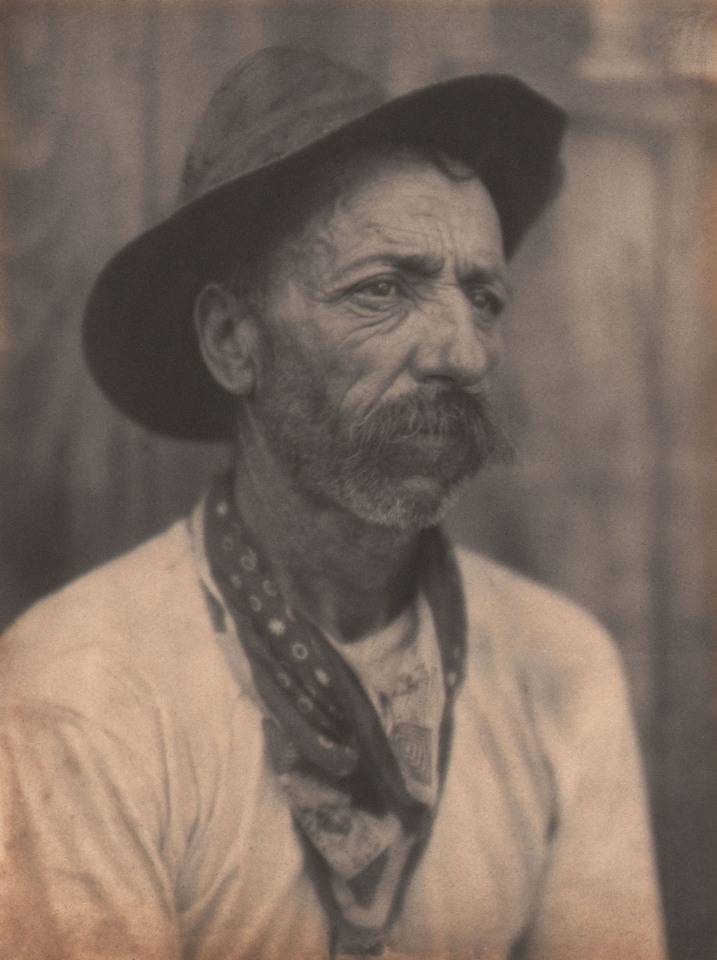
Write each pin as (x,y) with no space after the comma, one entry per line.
(485,299)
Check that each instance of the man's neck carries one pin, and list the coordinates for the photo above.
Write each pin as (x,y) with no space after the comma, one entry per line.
(348,576)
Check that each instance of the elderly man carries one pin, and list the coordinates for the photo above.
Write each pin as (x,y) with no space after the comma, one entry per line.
(300,724)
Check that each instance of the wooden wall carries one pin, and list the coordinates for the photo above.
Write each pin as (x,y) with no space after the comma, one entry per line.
(611,361)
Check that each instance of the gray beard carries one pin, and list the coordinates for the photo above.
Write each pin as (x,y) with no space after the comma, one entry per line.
(400,466)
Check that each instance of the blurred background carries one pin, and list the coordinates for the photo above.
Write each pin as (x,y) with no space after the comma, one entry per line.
(609,381)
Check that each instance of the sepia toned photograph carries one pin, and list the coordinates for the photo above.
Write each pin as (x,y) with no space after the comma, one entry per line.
(357,480)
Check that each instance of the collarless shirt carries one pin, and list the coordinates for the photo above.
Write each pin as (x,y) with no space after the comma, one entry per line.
(140,815)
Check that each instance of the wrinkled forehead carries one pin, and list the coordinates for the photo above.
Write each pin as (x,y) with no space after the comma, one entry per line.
(401,199)
(326,190)
(371,171)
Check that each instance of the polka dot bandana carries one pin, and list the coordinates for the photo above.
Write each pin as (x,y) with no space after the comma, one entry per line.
(362,829)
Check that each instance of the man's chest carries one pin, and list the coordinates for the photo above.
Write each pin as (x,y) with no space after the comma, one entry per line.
(244,892)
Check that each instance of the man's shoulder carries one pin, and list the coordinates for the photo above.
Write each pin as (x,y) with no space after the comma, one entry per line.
(552,643)
(129,610)
(507,595)
(119,589)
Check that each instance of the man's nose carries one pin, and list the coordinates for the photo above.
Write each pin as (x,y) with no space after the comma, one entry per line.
(458,342)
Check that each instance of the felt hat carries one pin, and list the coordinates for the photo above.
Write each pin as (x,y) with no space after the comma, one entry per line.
(275,111)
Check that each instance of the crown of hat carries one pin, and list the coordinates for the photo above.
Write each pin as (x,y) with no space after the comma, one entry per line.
(271,105)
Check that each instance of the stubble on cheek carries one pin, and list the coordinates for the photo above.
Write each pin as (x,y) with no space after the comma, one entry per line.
(398,466)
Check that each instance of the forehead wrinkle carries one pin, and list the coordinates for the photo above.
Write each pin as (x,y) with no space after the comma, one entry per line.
(327,250)
(343,235)
(379,242)
(421,252)
(429,239)
(321,261)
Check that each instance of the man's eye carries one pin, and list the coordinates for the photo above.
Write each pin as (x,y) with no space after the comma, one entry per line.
(486,299)
(382,288)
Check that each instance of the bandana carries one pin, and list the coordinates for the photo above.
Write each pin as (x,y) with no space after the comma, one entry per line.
(362,829)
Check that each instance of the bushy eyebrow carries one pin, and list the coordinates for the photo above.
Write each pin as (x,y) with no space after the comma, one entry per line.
(479,276)
(425,266)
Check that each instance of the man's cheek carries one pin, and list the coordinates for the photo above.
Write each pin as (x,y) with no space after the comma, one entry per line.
(363,324)
(357,391)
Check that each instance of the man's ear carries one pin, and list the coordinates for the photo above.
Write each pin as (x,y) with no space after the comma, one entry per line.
(227,338)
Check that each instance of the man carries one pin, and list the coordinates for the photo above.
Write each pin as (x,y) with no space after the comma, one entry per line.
(300,724)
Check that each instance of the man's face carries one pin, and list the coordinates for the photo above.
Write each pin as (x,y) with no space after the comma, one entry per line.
(379,324)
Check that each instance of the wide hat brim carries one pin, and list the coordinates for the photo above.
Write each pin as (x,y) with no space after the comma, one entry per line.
(139,338)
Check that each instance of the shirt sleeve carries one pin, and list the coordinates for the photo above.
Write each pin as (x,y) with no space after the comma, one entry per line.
(600,897)
(81,871)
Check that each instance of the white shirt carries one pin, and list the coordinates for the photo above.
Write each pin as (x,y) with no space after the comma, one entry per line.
(140,816)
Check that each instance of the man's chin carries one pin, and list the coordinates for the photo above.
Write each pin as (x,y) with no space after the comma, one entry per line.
(414,503)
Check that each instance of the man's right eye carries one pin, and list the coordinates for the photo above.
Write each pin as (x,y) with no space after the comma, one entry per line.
(381,288)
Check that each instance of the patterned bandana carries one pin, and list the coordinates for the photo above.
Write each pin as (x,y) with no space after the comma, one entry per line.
(362,828)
